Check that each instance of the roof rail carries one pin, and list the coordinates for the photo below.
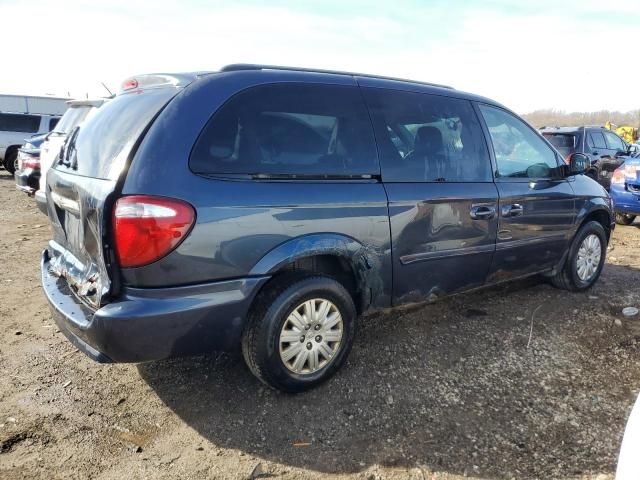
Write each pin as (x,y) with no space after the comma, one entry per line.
(236,67)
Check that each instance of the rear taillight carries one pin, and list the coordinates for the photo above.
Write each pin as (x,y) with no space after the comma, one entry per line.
(147,228)
(30,163)
(618,176)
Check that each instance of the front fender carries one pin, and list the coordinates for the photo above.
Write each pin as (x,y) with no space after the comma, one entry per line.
(366,262)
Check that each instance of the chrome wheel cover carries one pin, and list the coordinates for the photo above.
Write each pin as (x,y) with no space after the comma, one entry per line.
(311,336)
(588,258)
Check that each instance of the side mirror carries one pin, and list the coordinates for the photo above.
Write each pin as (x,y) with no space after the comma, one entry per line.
(578,163)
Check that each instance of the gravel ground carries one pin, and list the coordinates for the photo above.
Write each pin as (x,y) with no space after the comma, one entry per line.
(463,387)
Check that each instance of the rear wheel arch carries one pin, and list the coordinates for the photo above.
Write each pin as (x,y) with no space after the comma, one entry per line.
(333,255)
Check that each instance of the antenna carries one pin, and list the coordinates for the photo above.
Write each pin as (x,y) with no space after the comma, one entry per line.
(107,89)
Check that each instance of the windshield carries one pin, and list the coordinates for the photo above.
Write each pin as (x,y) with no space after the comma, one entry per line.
(565,143)
(72,118)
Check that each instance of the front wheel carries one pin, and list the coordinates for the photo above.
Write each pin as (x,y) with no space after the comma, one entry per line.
(585,259)
(624,219)
(299,333)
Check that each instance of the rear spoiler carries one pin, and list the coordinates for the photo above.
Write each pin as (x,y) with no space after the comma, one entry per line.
(86,103)
(159,80)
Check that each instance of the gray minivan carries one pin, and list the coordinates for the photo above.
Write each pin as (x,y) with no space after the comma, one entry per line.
(267,208)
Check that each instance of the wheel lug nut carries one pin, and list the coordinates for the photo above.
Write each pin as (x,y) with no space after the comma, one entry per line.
(317,327)
(302,339)
(309,346)
(318,338)
(306,327)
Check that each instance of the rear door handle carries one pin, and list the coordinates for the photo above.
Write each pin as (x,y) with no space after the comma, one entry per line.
(513,210)
(482,212)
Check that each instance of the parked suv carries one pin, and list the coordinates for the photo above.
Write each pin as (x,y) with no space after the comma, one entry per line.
(270,207)
(605,149)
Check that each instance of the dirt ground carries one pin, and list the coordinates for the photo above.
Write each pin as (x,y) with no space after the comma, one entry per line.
(448,390)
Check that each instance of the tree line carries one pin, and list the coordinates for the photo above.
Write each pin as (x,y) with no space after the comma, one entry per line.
(559,118)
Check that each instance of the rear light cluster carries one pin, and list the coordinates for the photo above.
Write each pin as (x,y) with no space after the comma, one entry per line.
(30,163)
(625,172)
(618,176)
(147,228)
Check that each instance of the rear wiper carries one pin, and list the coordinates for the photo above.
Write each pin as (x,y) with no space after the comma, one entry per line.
(69,148)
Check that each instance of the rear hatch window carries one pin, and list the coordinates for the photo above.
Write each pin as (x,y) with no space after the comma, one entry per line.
(100,147)
(71,119)
(565,143)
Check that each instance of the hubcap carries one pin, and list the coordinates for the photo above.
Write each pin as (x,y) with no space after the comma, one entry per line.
(588,259)
(311,336)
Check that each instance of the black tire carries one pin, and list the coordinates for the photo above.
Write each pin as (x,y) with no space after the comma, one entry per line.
(624,219)
(568,278)
(261,338)
(10,160)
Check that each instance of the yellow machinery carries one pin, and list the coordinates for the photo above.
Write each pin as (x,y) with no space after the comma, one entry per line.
(628,133)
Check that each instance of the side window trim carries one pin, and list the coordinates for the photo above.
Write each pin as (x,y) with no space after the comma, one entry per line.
(494,162)
(487,139)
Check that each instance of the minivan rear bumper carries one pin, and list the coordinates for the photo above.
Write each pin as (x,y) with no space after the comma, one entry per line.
(152,324)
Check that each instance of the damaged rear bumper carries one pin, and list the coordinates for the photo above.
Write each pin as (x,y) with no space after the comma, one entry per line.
(152,324)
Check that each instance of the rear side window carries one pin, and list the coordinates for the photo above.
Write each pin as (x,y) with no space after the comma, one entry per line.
(565,143)
(101,145)
(428,138)
(596,140)
(289,129)
(14,122)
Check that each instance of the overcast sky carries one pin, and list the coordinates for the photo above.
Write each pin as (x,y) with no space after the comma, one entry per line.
(570,55)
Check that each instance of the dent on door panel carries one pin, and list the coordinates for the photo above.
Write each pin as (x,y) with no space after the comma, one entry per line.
(437,247)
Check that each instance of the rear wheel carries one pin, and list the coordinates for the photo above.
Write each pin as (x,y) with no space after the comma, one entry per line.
(11,160)
(299,333)
(624,219)
(585,259)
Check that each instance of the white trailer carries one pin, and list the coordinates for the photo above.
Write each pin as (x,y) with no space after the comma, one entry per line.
(22,117)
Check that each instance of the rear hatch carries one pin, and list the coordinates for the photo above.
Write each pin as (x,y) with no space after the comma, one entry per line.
(565,143)
(83,184)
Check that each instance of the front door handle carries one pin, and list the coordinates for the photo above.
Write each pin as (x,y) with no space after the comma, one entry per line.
(514,210)
(482,212)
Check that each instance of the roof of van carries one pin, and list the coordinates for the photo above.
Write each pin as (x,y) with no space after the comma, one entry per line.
(364,79)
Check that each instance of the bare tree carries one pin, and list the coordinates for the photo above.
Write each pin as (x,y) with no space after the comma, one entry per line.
(558,118)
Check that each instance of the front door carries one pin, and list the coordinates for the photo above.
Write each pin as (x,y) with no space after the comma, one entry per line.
(442,200)
(536,206)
